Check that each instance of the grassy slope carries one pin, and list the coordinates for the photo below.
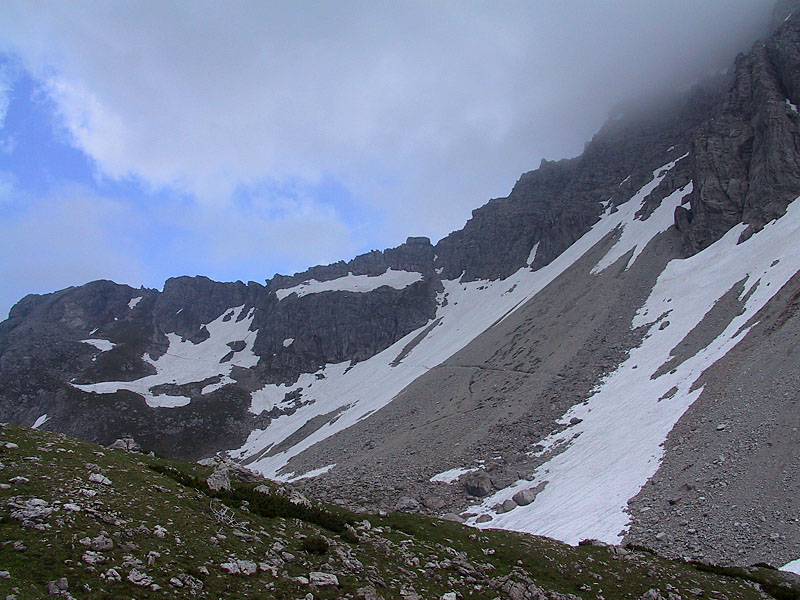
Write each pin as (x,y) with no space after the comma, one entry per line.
(392,555)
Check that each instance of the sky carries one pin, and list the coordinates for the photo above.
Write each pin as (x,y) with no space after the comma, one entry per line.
(144,140)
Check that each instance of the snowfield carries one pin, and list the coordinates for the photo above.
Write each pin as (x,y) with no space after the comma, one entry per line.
(186,362)
(792,567)
(353,283)
(617,447)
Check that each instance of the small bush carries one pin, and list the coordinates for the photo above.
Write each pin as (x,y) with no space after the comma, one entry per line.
(315,544)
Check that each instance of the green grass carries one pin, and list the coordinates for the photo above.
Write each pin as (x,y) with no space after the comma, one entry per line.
(394,553)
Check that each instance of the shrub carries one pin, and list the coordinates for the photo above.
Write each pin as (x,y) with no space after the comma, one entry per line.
(315,544)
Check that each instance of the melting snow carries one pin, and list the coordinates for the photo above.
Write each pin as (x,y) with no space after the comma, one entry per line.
(40,421)
(451,475)
(532,255)
(186,362)
(353,283)
(617,446)
(636,233)
(312,473)
(134,301)
(102,345)
(790,105)
(792,567)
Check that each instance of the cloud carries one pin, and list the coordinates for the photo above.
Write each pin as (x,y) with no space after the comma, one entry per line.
(424,109)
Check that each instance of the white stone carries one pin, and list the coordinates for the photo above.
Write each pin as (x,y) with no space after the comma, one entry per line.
(136,577)
(98,478)
(320,579)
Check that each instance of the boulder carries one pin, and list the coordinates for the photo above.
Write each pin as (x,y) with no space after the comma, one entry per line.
(452,517)
(219,478)
(507,506)
(128,444)
(478,484)
(525,497)
(320,579)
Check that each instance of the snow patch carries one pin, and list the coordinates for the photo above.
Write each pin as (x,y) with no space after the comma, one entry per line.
(353,283)
(636,233)
(102,345)
(312,473)
(187,362)
(288,342)
(532,255)
(617,446)
(792,567)
(40,421)
(134,301)
(451,475)
(790,105)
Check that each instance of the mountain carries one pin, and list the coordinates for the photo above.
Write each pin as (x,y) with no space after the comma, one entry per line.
(609,352)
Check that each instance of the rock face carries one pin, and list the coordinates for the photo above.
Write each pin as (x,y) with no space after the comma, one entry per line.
(261,370)
(745,157)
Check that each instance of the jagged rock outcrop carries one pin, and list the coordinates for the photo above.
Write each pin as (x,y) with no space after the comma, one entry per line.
(745,156)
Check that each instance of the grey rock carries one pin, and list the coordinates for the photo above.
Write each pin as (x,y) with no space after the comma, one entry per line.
(525,497)
(320,579)
(101,543)
(506,506)
(57,587)
(367,593)
(138,578)
(478,484)
(99,478)
(33,509)
(453,517)
(433,502)
(219,478)
(128,444)
(93,558)
(407,504)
